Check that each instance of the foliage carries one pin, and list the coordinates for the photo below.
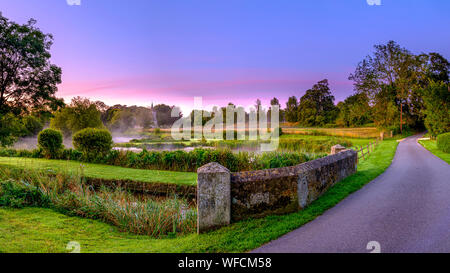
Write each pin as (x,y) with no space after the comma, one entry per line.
(80,114)
(50,141)
(317,107)
(393,79)
(20,195)
(10,129)
(291,112)
(431,146)
(93,142)
(436,98)
(31,80)
(443,142)
(354,111)
(32,125)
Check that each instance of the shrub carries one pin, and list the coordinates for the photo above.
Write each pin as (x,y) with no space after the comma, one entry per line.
(21,194)
(51,142)
(443,142)
(93,143)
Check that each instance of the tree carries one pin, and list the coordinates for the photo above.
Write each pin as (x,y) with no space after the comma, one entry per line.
(354,111)
(385,110)
(437,108)
(317,107)
(10,129)
(80,114)
(393,66)
(27,78)
(32,125)
(291,109)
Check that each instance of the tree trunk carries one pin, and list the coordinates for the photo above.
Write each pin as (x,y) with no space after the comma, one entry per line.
(401,118)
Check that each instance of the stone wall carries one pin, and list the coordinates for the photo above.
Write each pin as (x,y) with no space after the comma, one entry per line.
(273,191)
(284,190)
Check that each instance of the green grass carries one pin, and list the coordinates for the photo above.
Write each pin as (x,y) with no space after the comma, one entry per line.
(430,145)
(42,230)
(103,171)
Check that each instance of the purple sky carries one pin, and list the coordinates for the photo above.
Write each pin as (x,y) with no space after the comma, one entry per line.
(136,52)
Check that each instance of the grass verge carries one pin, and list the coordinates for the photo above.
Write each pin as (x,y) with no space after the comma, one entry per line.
(42,230)
(105,172)
(431,146)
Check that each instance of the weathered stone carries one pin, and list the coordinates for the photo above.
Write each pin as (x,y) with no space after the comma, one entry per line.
(284,190)
(337,149)
(213,197)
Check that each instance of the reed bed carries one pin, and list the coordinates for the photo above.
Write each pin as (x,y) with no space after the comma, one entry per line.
(69,194)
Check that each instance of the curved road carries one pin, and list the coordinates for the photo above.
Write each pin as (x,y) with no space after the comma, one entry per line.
(406,209)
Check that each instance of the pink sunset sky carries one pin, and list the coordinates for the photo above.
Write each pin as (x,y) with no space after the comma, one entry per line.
(142,51)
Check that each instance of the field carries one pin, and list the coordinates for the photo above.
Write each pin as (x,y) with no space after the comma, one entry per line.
(430,145)
(102,171)
(43,230)
(368,132)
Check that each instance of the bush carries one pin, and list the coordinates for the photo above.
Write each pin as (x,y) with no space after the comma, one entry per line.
(93,143)
(443,142)
(51,142)
(21,194)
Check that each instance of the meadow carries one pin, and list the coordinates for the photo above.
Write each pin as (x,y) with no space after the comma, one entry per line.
(50,231)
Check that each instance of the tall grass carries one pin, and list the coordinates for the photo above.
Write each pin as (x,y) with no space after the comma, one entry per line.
(368,132)
(69,194)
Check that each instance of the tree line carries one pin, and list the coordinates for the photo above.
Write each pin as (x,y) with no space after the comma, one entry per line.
(394,89)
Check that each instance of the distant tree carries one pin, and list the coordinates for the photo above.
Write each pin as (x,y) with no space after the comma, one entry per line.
(276,102)
(354,111)
(163,115)
(10,129)
(291,111)
(80,114)
(317,107)
(438,68)
(32,125)
(28,79)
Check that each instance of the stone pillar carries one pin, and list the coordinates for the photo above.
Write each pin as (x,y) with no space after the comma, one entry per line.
(337,149)
(213,197)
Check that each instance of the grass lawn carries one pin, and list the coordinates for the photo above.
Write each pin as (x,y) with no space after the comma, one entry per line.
(42,230)
(103,171)
(430,145)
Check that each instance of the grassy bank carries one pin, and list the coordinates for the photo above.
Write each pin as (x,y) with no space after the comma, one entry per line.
(41,230)
(102,171)
(430,145)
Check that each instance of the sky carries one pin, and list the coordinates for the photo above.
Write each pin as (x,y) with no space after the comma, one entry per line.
(139,52)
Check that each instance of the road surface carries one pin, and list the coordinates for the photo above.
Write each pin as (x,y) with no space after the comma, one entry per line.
(406,209)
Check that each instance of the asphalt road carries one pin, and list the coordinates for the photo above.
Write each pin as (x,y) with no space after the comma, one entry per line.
(406,209)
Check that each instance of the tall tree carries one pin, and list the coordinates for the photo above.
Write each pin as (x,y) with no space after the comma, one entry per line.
(27,78)
(317,107)
(390,65)
(291,109)
(80,114)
